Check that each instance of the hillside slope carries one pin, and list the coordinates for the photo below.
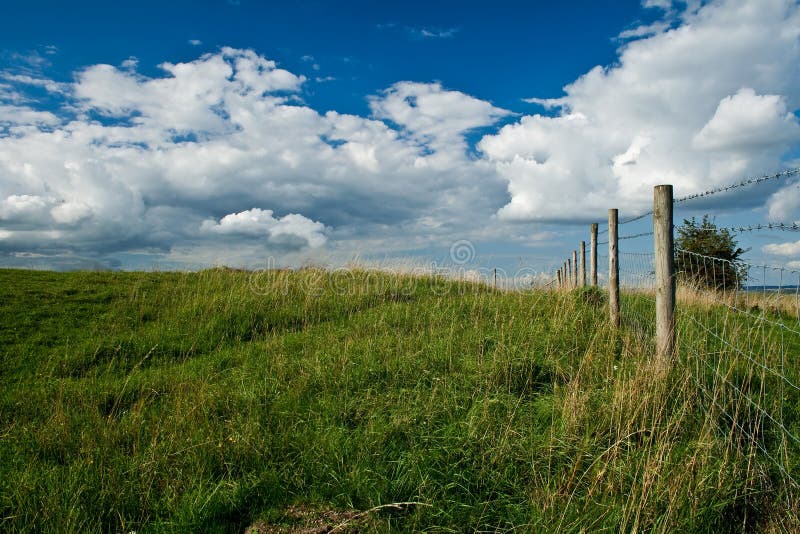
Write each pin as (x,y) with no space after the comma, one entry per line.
(219,400)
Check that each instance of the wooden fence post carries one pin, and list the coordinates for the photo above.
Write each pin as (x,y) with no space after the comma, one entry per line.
(558,275)
(665,271)
(575,270)
(569,272)
(613,269)
(583,264)
(593,256)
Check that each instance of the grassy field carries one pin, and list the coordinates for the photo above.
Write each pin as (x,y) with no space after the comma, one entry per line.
(224,400)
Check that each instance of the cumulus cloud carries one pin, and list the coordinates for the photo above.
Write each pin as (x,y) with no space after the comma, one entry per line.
(188,99)
(173,164)
(697,106)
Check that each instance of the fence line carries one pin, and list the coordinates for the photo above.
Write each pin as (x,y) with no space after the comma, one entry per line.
(734,331)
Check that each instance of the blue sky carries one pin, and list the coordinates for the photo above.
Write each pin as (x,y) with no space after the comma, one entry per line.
(140,135)
(519,48)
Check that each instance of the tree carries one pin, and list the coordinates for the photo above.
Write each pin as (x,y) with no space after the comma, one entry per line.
(707,256)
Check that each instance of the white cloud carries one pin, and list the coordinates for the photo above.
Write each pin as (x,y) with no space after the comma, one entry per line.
(784,204)
(131,63)
(432,114)
(224,133)
(661,4)
(11,116)
(436,33)
(10,95)
(644,30)
(746,121)
(697,106)
(23,208)
(195,42)
(48,85)
(782,249)
(71,212)
(420,33)
(291,229)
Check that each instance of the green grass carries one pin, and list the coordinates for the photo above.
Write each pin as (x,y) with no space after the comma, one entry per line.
(213,400)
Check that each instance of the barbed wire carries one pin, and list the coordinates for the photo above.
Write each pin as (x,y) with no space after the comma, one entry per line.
(749,181)
(793,227)
(624,237)
(636,218)
(634,236)
(721,189)
(786,227)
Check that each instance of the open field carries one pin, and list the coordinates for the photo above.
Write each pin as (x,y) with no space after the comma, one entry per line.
(219,400)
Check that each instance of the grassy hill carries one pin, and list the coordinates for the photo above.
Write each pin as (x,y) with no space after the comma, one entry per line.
(223,400)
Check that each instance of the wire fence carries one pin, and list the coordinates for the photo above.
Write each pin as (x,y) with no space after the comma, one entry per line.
(737,330)
(739,333)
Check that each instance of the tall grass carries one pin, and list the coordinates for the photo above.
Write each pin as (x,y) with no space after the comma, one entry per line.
(220,399)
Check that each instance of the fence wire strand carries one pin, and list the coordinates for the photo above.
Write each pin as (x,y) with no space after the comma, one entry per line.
(743,183)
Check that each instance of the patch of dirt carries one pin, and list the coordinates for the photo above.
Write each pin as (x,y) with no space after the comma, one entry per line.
(303,519)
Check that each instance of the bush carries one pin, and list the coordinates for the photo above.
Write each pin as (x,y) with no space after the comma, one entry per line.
(713,255)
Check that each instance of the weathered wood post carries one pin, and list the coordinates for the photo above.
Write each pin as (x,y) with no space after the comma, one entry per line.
(558,276)
(593,256)
(569,272)
(583,264)
(613,269)
(575,271)
(665,271)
